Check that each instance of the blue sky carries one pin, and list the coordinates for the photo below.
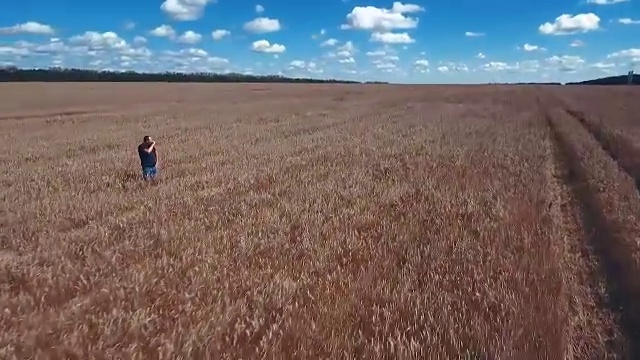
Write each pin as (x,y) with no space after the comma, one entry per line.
(425,41)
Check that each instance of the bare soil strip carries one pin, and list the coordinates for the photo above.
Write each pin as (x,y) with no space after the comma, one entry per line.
(613,241)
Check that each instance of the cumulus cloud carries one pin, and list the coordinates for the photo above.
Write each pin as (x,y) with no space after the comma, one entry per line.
(189,37)
(631,55)
(165,31)
(30,27)
(264,46)
(330,42)
(577,43)
(566,63)
(99,41)
(90,44)
(311,66)
(348,60)
(401,8)
(443,69)
(262,25)
(421,65)
(377,53)
(605,2)
(628,21)
(567,24)
(457,67)
(481,56)
(346,50)
(259,9)
(139,40)
(603,66)
(185,10)
(190,52)
(391,38)
(194,59)
(495,66)
(473,34)
(219,34)
(382,20)
(529,48)
(319,35)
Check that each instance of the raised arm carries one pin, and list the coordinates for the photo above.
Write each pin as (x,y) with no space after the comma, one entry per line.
(150,148)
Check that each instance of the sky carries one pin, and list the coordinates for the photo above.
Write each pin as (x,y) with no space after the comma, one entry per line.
(421,41)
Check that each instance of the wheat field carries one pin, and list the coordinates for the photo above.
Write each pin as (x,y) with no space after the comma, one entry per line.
(311,221)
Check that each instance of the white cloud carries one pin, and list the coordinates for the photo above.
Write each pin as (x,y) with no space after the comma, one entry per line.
(165,31)
(481,56)
(628,21)
(603,66)
(219,34)
(383,64)
(330,42)
(259,9)
(377,19)
(189,37)
(185,10)
(348,46)
(631,55)
(529,48)
(264,46)
(139,40)
(348,60)
(577,43)
(401,8)
(566,63)
(262,25)
(321,34)
(30,27)
(421,64)
(346,50)
(14,51)
(99,41)
(495,66)
(194,59)
(189,53)
(443,69)
(311,66)
(377,53)
(473,34)
(529,66)
(391,38)
(457,67)
(605,2)
(567,24)
(625,53)
(298,64)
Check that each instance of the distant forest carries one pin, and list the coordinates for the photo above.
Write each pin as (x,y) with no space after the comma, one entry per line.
(611,80)
(14,74)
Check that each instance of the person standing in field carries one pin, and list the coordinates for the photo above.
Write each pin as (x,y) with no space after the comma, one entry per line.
(148,158)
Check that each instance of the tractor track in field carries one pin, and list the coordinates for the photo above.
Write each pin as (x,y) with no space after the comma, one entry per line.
(601,237)
(619,149)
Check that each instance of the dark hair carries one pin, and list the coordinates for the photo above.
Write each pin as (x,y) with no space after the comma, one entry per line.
(146,138)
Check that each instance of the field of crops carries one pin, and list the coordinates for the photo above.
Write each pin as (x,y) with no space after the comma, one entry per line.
(305,221)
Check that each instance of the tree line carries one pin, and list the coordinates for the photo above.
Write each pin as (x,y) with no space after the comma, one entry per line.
(14,74)
(610,80)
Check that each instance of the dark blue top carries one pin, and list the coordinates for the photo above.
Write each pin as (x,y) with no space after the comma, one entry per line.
(147,159)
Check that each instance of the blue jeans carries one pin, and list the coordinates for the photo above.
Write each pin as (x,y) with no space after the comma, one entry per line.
(149,172)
